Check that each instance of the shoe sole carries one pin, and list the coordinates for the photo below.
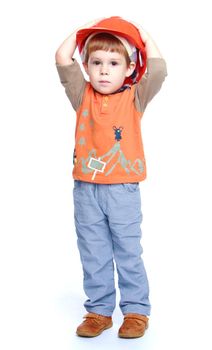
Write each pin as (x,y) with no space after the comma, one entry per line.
(131,336)
(91,335)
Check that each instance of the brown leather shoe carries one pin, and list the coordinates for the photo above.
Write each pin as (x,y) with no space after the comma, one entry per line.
(134,326)
(94,325)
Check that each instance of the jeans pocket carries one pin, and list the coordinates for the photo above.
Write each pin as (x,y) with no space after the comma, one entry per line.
(131,186)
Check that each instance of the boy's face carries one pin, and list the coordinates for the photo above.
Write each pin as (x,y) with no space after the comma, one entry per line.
(107,70)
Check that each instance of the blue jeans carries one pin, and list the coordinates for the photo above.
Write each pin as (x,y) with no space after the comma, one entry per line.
(107,221)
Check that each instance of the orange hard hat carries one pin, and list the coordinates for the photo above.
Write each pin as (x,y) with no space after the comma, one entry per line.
(118,26)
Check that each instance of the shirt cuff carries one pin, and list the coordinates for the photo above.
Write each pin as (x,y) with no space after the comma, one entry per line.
(66,71)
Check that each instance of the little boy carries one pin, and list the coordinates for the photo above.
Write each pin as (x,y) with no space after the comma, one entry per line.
(109,163)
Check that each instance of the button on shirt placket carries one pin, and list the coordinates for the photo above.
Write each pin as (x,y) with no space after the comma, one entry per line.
(105,103)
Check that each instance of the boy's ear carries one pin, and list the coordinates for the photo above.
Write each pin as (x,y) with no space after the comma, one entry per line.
(85,65)
(130,69)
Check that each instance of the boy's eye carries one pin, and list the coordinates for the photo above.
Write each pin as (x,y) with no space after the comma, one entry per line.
(96,62)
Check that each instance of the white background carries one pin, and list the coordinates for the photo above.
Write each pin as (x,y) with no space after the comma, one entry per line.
(41,278)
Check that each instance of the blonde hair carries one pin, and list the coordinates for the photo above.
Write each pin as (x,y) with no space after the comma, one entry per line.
(106,42)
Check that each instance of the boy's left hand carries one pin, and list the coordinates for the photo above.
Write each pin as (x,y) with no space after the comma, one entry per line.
(144,35)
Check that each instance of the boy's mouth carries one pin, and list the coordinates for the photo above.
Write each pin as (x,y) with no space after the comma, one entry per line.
(104,81)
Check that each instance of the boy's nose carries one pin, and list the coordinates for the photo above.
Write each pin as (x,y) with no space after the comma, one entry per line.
(104,70)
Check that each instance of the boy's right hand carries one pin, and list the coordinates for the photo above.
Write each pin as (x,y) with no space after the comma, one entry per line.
(66,50)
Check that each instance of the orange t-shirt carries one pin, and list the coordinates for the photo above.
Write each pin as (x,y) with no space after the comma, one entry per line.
(108,139)
(108,142)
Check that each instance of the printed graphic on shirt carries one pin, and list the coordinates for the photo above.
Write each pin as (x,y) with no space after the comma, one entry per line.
(107,162)
(118,132)
(82,141)
(85,113)
(82,127)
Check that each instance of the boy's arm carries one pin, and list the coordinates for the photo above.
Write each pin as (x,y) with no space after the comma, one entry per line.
(152,80)
(71,76)
(65,51)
